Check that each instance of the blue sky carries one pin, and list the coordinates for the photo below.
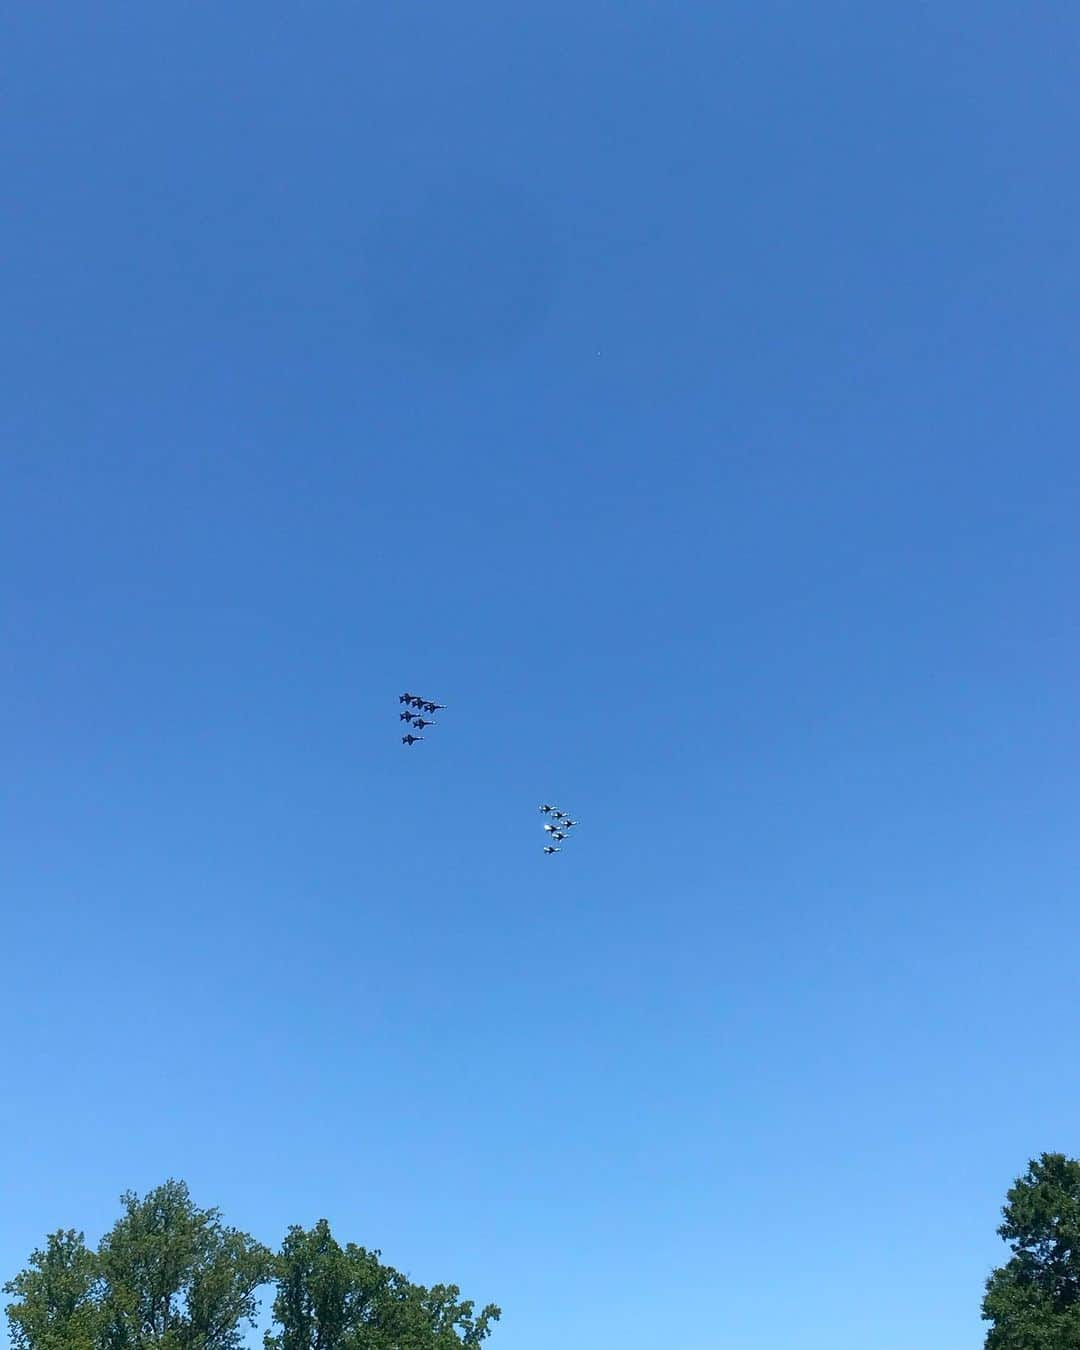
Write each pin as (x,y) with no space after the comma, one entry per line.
(686,395)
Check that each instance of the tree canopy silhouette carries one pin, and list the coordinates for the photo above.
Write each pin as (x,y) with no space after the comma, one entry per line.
(1033,1301)
(171,1276)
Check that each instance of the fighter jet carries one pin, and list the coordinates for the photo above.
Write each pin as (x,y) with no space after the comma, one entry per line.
(406,698)
(559,815)
(558,834)
(421,722)
(566,823)
(432,707)
(550,848)
(406,716)
(547,810)
(410,740)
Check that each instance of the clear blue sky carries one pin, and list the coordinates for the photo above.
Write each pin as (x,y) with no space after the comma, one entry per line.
(686,394)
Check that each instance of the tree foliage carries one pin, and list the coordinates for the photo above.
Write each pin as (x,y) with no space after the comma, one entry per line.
(175,1277)
(1033,1301)
(343,1298)
(171,1276)
(59,1297)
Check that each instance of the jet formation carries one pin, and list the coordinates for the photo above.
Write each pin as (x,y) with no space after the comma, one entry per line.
(413,716)
(417,714)
(557,827)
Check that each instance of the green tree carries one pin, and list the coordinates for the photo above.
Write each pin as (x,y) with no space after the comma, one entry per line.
(169,1276)
(59,1297)
(1033,1301)
(176,1277)
(331,1297)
